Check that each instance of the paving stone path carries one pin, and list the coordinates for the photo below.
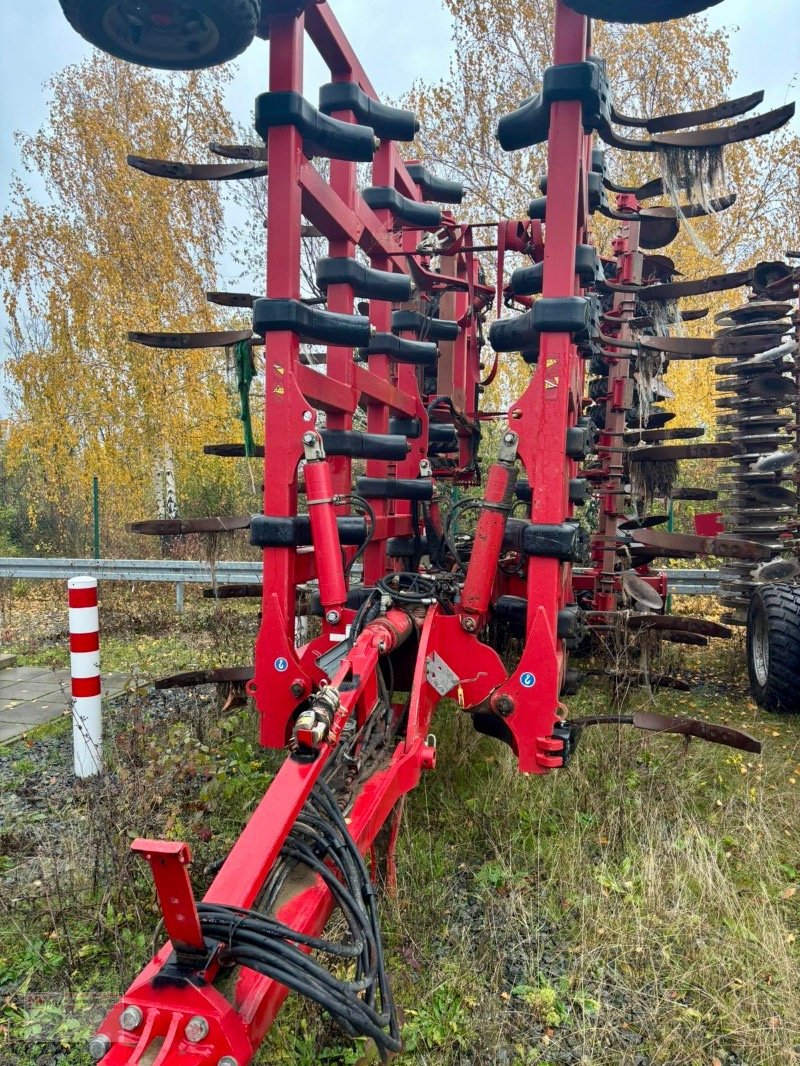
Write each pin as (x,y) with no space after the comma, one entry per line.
(33,695)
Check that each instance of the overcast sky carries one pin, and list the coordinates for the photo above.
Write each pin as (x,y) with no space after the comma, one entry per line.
(396,44)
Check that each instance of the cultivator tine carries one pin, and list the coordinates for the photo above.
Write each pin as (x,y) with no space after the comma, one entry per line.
(703,347)
(621,678)
(219,676)
(674,290)
(677,623)
(746,130)
(234,592)
(256,153)
(686,492)
(647,436)
(668,453)
(213,339)
(685,119)
(232,299)
(165,168)
(713,137)
(651,722)
(691,544)
(234,451)
(179,527)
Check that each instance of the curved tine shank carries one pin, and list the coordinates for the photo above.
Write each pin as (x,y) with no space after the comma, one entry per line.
(683,120)
(220,339)
(232,299)
(697,210)
(167,168)
(671,290)
(256,153)
(745,130)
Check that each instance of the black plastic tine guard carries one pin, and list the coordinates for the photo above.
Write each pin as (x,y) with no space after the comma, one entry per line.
(641,11)
(389,123)
(434,188)
(167,168)
(365,281)
(322,135)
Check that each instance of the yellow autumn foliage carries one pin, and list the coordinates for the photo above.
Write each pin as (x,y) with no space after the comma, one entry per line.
(106,250)
(501,50)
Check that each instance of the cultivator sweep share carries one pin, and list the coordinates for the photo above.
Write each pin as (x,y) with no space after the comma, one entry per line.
(410,610)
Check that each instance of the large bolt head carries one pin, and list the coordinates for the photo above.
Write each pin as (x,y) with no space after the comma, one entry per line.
(130,1019)
(99,1046)
(227,1060)
(332,617)
(196,1029)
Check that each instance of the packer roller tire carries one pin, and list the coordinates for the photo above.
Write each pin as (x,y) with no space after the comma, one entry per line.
(773,647)
(172,35)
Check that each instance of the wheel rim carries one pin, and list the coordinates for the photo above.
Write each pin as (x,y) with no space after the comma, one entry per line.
(161,31)
(760,646)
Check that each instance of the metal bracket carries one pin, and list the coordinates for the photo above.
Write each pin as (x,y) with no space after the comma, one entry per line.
(439,675)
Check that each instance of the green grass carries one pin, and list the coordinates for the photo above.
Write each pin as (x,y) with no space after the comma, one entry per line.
(640,906)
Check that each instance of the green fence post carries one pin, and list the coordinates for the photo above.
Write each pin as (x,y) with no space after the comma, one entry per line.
(96,515)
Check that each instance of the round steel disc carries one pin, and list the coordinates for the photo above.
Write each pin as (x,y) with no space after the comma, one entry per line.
(755,309)
(755,327)
(778,570)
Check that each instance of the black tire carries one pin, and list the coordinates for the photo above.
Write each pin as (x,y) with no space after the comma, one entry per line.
(639,10)
(167,34)
(773,647)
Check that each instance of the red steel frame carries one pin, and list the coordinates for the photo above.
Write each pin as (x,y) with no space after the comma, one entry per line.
(286,675)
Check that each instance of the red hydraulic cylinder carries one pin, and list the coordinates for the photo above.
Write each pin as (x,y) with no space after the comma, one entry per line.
(324,529)
(495,508)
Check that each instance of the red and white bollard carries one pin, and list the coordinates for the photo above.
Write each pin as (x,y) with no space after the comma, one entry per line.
(84,655)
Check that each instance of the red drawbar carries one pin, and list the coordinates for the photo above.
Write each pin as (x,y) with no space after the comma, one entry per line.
(83,597)
(84,641)
(86,686)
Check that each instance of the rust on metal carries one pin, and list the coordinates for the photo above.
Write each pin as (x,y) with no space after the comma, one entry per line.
(211,339)
(167,168)
(178,527)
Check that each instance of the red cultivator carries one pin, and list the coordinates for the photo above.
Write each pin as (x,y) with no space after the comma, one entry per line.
(354,704)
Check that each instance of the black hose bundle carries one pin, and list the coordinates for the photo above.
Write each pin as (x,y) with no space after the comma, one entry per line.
(362,1005)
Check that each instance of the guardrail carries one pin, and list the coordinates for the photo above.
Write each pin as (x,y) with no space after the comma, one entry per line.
(228,572)
(168,571)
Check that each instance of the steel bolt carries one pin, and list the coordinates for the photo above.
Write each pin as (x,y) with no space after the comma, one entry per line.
(504,705)
(99,1046)
(516,414)
(130,1019)
(332,617)
(308,438)
(297,689)
(509,438)
(469,623)
(228,1060)
(307,416)
(196,1029)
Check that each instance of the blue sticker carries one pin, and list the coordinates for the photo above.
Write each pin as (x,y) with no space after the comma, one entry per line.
(281,665)
(527,680)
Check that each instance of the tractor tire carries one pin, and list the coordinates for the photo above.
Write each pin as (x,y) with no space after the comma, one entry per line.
(773,647)
(641,11)
(167,34)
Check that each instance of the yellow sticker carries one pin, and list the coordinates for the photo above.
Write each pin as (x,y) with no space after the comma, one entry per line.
(279,390)
(551,362)
(551,383)
(278,369)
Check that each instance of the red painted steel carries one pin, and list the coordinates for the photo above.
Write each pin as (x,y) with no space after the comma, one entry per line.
(447,277)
